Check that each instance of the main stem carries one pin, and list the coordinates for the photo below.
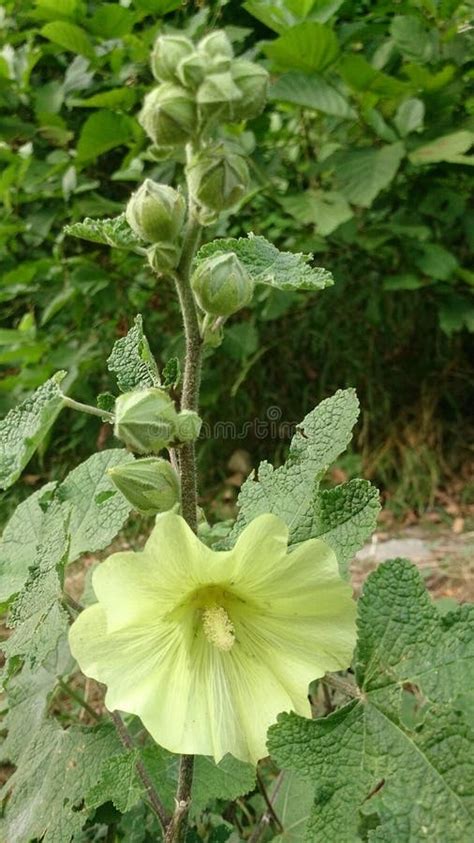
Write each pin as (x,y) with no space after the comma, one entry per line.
(176,830)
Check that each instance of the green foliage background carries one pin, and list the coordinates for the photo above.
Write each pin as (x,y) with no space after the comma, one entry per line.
(362,157)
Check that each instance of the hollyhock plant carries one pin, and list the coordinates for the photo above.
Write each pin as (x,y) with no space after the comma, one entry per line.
(208,647)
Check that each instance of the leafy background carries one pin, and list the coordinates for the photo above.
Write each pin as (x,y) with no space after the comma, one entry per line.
(362,157)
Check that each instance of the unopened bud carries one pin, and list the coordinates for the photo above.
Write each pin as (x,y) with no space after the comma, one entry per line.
(188,426)
(168,52)
(218,178)
(252,81)
(192,70)
(216,44)
(145,420)
(162,257)
(156,212)
(222,285)
(218,97)
(169,115)
(151,484)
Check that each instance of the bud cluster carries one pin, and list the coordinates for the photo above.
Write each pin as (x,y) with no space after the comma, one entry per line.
(201,86)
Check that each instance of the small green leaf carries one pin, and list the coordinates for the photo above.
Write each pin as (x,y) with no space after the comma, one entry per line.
(357,758)
(326,210)
(102,131)
(311,91)
(409,117)
(309,46)
(122,98)
(362,173)
(228,780)
(450,148)
(171,374)
(413,39)
(70,37)
(24,428)
(292,798)
(117,783)
(266,265)
(114,232)
(132,361)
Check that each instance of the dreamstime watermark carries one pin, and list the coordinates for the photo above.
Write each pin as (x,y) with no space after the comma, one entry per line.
(270,427)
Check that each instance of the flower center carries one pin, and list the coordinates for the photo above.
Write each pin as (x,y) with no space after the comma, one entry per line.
(218,627)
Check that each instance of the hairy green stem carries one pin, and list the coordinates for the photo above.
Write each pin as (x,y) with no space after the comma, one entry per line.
(192,365)
(142,772)
(86,408)
(176,831)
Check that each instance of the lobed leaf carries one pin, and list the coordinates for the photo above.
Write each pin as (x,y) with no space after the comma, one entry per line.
(114,231)
(132,360)
(267,265)
(358,757)
(25,426)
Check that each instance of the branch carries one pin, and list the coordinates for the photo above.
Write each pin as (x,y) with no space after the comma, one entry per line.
(176,830)
(342,685)
(86,408)
(269,815)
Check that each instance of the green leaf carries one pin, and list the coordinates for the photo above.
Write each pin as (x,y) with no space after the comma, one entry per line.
(266,265)
(24,428)
(102,131)
(118,783)
(171,373)
(409,117)
(446,148)
(70,37)
(292,798)
(362,173)
(19,542)
(289,491)
(311,91)
(86,501)
(308,46)
(281,14)
(358,757)
(114,232)
(132,360)
(228,780)
(97,509)
(123,98)
(37,617)
(111,21)
(413,39)
(326,210)
(359,75)
(436,262)
(345,517)
(53,775)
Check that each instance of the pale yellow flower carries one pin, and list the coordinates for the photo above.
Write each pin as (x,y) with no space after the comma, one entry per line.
(208,647)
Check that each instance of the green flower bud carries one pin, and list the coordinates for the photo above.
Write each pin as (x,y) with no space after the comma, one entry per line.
(163,256)
(222,285)
(252,81)
(168,115)
(216,44)
(217,178)
(218,97)
(145,420)
(151,485)
(188,426)
(156,212)
(192,70)
(167,53)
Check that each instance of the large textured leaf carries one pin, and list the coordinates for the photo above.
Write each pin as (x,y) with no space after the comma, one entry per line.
(19,542)
(362,173)
(114,232)
(289,491)
(132,360)
(24,428)
(311,91)
(266,265)
(118,783)
(228,780)
(37,617)
(97,509)
(396,763)
(309,46)
(53,775)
